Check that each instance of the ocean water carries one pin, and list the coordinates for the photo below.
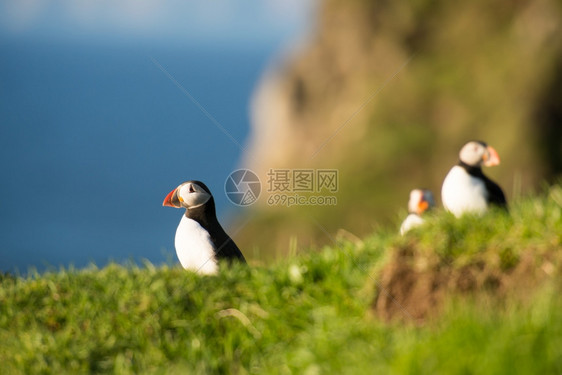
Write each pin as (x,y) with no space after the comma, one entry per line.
(93,137)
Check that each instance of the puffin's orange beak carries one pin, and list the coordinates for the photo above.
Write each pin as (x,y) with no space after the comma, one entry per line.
(422,206)
(491,158)
(171,199)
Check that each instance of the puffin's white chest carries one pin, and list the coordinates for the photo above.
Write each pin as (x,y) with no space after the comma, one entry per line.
(410,222)
(463,193)
(195,248)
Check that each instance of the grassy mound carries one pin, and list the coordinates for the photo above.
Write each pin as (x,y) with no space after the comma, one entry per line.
(501,254)
(311,313)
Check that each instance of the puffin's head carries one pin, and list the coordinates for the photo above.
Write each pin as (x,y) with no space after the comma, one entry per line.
(420,201)
(478,153)
(190,194)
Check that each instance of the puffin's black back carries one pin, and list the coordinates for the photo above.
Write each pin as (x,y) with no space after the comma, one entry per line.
(496,196)
(206,216)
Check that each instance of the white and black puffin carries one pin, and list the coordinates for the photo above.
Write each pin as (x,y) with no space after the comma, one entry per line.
(200,242)
(420,201)
(466,188)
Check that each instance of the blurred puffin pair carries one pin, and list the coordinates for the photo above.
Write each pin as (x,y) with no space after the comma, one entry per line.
(201,242)
(465,188)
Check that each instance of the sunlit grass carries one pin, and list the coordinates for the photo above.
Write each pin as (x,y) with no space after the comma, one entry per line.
(309,313)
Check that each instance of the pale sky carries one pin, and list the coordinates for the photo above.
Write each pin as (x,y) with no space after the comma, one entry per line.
(155,19)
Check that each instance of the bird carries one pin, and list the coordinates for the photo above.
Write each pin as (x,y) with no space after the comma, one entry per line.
(420,201)
(465,188)
(200,240)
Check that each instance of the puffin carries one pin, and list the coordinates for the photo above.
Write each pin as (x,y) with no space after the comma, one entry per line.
(465,188)
(200,241)
(420,201)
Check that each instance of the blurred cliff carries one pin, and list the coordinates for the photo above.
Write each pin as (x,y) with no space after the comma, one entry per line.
(387,93)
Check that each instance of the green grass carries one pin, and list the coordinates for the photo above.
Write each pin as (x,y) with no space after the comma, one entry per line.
(308,314)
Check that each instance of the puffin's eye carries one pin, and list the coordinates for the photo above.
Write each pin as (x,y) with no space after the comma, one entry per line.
(191,189)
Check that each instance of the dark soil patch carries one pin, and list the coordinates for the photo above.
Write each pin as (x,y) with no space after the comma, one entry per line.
(415,287)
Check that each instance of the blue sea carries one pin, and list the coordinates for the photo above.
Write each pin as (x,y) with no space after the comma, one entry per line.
(93,136)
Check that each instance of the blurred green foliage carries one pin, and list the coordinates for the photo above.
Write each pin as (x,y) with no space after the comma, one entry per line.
(388,92)
(309,313)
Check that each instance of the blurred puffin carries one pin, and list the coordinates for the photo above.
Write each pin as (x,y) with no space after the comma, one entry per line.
(200,240)
(420,201)
(466,188)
